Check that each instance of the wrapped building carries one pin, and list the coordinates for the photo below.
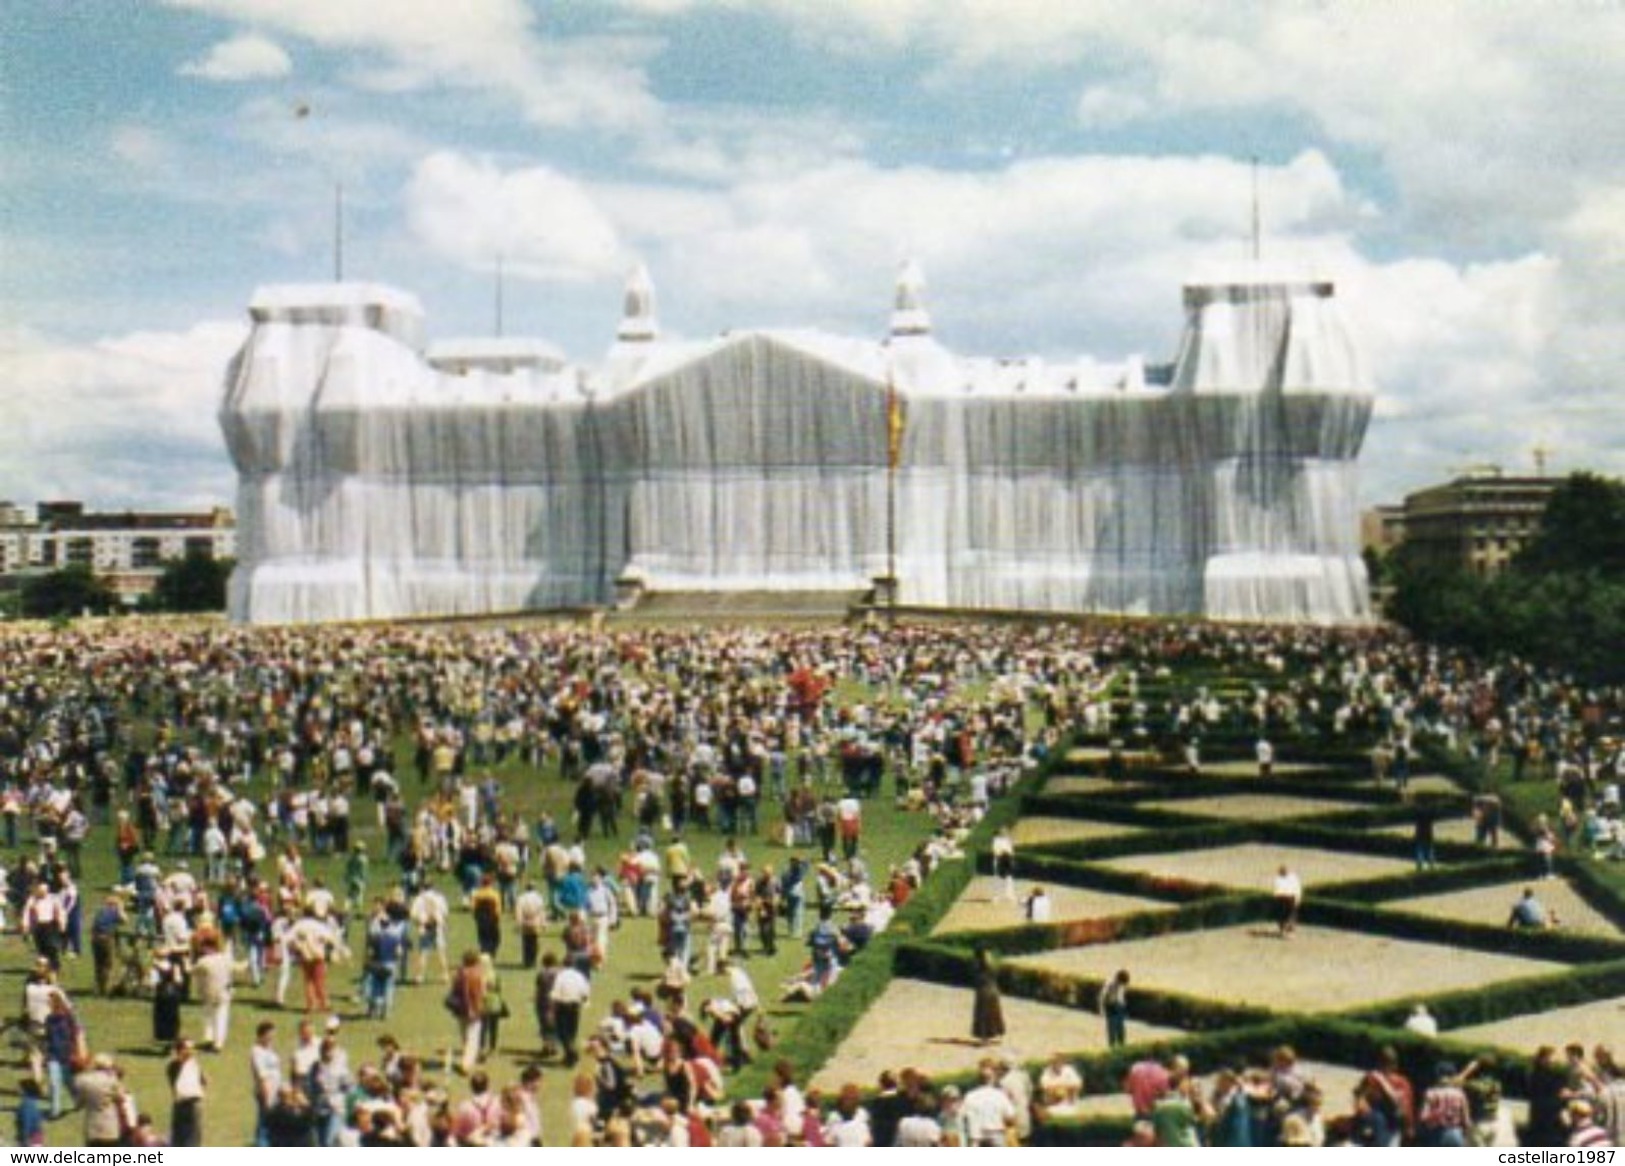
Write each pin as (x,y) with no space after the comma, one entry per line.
(380,478)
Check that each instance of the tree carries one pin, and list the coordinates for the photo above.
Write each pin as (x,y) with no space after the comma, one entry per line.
(1583,529)
(1562,604)
(194,583)
(71,591)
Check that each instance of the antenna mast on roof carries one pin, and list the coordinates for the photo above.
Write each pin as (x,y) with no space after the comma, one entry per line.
(1540,452)
(499,293)
(338,232)
(1257,229)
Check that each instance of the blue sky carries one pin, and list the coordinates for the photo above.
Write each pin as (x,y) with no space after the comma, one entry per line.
(1058,170)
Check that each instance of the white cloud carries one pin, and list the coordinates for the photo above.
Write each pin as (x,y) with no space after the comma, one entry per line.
(125,420)
(722,147)
(1491,119)
(140,147)
(1014,254)
(1105,107)
(543,224)
(485,45)
(242,58)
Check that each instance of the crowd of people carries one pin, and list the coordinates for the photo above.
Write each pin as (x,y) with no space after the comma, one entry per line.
(304,818)
(329,804)
(1574,1100)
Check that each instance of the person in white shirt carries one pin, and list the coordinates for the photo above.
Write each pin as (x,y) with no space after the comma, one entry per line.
(1018,1087)
(214,853)
(918,1130)
(529,915)
(990,1115)
(1059,1085)
(744,991)
(602,909)
(718,912)
(429,912)
(187,1084)
(468,801)
(644,1039)
(569,996)
(212,974)
(265,1067)
(1288,895)
(176,931)
(1422,1022)
(1039,908)
(44,920)
(311,941)
(848,1126)
(1004,863)
(306,1051)
(320,900)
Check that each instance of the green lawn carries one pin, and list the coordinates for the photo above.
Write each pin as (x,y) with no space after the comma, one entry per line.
(420,1022)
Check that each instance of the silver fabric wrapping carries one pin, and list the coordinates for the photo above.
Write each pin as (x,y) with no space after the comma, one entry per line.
(373,485)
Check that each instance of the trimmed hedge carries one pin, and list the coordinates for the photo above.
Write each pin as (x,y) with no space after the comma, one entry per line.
(1072,872)
(832,1017)
(1546,945)
(1212,834)
(1205,835)
(1392,813)
(1087,808)
(1032,938)
(1214,1033)
(1320,837)
(1521,997)
(1599,895)
(1490,867)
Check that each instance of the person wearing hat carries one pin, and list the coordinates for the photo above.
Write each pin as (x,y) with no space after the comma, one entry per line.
(1584,1132)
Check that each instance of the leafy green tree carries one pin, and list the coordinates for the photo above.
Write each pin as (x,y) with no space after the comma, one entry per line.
(1562,604)
(1583,528)
(70,591)
(196,582)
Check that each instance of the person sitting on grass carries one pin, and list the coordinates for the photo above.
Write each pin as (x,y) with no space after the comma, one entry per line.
(1530,914)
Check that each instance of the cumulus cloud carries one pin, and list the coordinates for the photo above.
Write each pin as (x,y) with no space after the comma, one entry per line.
(242,58)
(1489,118)
(544,224)
(492,46)
(1104,107)
(1044,253)
(140,147)
(122,421)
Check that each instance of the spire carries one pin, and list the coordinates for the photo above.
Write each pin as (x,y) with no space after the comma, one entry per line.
(638,323)
(909,317)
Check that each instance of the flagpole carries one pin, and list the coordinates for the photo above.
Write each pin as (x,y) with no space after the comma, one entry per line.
(893,450)
(338,232)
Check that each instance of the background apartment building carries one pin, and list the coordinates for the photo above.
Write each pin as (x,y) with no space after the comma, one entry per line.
(127,549)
